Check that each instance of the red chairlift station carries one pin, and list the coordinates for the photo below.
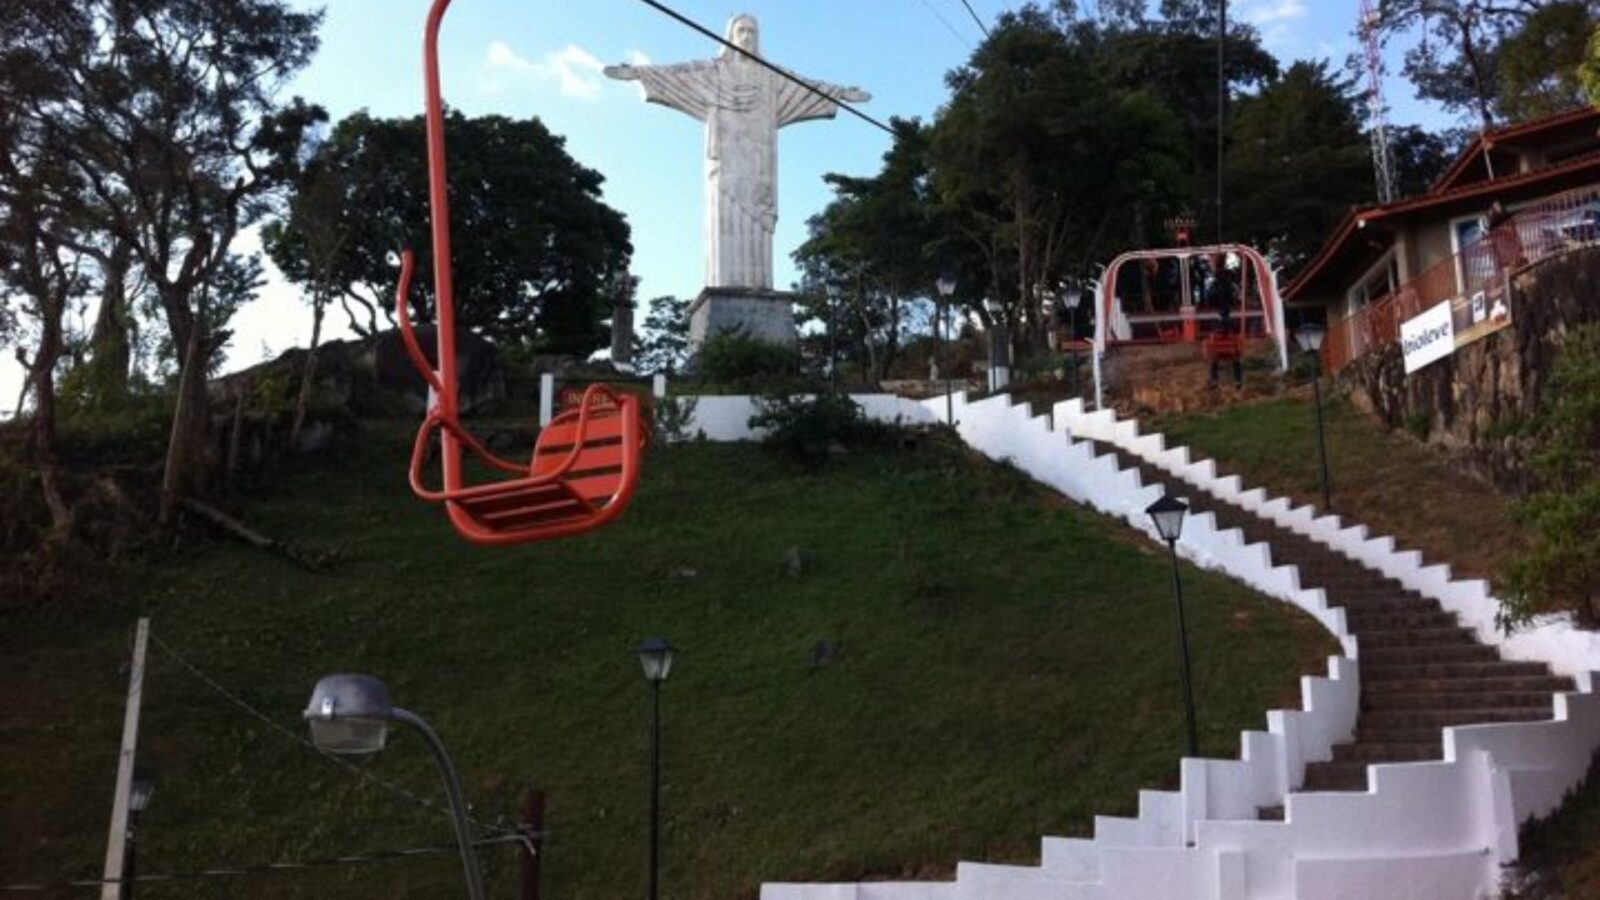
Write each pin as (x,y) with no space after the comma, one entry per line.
(1148,297)
(585,464)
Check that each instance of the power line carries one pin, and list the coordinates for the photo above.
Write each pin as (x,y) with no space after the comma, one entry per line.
(946,22)
(685,20)
(303,741)
(349,859)
(974,13)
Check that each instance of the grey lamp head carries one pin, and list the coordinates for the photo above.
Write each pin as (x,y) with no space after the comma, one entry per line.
(1309,336)
(1168,513)
(1072,297)
(349,714)
(655,657)
(946,284)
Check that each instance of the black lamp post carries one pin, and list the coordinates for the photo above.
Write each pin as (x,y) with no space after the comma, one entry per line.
(139,794)
(833,360)
(655,657)
(351,714)
(1073,298)
(947,286)
(1309,337)
(1168,515)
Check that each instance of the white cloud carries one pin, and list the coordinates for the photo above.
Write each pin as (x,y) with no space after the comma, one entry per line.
(1264,13)
(575,71)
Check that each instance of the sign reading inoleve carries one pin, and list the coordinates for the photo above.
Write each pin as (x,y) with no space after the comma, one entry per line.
(1428,338)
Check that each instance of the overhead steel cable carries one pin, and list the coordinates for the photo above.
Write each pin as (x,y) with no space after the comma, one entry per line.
(974,14)
(690,23)
(303,741)
(946,23)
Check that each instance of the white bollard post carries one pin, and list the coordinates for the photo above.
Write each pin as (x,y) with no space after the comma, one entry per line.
(547,398)
(658,386)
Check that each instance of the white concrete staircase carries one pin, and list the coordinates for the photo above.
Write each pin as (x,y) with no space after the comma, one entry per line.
(1433,830)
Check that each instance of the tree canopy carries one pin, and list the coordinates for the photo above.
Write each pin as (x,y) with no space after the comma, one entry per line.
(540,259)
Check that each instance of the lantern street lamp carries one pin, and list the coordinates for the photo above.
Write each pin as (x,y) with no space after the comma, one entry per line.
(655,657)
(947,286)
(1309,336)
(351,715)
(1073,298)
(1168,513)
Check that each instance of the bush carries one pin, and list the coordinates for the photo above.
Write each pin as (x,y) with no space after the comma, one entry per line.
(810,428)
(736,359)
(1563,570)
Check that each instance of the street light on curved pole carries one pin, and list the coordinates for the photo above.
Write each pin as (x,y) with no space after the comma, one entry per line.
(947,286)
(351,714)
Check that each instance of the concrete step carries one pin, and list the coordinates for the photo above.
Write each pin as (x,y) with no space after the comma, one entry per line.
(1386,719)
(1474,684)
(1439,653)
(1365,622)
(1373,673)
(1380,701)
(1419,637)
(1389,751)
(1352,602)
(1335,776)
(1424,734)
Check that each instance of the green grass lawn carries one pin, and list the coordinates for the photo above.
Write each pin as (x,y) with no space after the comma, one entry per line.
(1007,671)
(1386,480)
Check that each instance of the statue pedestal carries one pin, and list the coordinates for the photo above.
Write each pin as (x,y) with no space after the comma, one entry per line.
(762,313)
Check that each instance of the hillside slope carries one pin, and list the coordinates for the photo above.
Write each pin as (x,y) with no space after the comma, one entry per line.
(1006,669)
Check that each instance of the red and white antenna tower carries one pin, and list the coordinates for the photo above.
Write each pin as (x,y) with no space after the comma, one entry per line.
(1378,121)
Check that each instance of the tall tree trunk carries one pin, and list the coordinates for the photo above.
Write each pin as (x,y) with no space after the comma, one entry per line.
(42,375)
(110,348)
(188,447)
(318,308)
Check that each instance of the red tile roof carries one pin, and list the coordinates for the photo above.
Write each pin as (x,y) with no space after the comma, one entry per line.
(1488,139)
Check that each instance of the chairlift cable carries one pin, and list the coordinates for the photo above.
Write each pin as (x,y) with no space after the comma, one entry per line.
(976,18)
(946,23)
(690,23)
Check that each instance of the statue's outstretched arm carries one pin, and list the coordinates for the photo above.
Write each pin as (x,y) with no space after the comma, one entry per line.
(796,104)
(687,87)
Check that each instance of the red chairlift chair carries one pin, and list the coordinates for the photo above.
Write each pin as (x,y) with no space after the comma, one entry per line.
(585,464)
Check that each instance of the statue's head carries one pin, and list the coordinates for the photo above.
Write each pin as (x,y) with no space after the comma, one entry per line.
(744,33)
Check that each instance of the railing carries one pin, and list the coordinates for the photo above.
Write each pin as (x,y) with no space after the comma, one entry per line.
(1551,226)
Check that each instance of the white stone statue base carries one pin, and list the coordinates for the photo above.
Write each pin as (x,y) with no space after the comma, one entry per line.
(762,313)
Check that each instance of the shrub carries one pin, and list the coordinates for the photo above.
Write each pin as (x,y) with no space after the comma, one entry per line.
(809,428)
(1562,572)
(737,359)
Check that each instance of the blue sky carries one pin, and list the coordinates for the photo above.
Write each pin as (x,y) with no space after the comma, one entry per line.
(542,58)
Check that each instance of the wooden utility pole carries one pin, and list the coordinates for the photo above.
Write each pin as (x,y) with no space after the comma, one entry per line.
(117,842)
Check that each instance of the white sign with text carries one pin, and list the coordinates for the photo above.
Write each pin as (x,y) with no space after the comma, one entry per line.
(1428,338)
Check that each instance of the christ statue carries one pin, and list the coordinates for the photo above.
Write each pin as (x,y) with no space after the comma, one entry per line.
(743,105)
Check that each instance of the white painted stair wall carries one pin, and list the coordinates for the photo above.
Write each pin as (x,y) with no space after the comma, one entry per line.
(1422,831)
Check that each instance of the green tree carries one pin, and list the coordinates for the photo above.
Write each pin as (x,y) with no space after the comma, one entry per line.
(1297,160)
(1457,45)
(168,113)
(1044,164)
(1563,570)
(1589,72)
(1537,67)
(868,256)
(540,259)
(1420,157)
(664,345)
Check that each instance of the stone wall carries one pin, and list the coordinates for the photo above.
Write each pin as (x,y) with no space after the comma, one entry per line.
(1477,403)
